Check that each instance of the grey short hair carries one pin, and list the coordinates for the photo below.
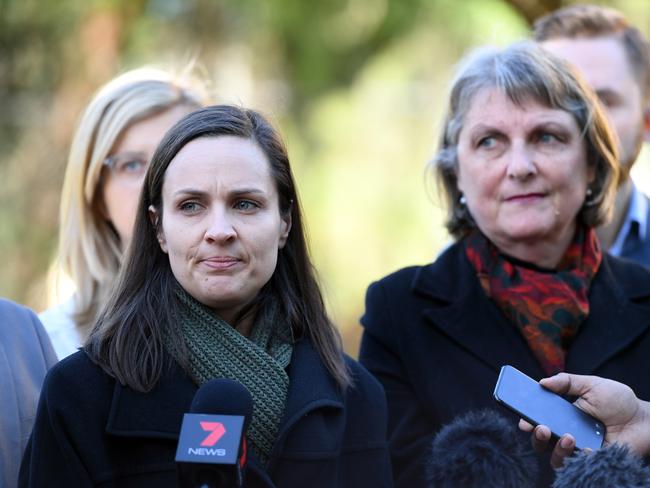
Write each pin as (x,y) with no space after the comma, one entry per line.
(524,71)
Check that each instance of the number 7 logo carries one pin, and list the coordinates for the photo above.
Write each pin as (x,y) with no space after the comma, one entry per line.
(216,429)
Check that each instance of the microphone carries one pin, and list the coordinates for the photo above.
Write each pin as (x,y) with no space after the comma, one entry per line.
(212,444)
(481,449)
(609,466)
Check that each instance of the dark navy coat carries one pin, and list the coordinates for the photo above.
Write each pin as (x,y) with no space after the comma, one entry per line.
(437,342)
(91,431)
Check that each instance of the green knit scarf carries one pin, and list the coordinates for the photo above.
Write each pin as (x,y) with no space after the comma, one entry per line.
(217,350)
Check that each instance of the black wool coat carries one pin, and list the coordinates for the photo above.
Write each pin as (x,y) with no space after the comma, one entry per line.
(436,342)
(92,431)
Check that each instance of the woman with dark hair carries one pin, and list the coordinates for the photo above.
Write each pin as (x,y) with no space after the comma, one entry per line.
(217,283)
(527,166)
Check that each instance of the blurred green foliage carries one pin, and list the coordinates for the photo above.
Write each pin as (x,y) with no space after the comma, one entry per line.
(357,87)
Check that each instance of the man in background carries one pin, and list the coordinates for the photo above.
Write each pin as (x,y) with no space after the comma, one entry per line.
(25,356)
(614,57)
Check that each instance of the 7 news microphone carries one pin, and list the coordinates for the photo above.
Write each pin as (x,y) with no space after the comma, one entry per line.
(212,444)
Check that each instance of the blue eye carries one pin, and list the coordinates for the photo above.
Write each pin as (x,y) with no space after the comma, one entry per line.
(189,207)
(128,165)
(487,142)
(132,166)
(548,138)
(245,205)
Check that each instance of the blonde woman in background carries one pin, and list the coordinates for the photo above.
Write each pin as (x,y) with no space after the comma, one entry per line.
(111,150)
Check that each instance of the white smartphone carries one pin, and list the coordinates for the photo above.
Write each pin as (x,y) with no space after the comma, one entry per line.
(534,403)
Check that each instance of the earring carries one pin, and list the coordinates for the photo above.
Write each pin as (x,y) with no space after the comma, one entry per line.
(462,200)
(589,201)
(589,192)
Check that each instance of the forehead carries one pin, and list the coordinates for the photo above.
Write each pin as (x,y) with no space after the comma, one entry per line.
(493,107)
(210,163)
(148,131)
(602,61)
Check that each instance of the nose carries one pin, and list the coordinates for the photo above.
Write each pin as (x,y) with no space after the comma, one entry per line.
(521,162)
(220,228)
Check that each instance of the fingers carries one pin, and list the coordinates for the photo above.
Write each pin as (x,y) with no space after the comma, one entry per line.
(569,384)
(563,449)
(540,438)
(525,426)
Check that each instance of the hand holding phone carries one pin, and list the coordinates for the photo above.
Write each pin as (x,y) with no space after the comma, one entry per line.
(537,405)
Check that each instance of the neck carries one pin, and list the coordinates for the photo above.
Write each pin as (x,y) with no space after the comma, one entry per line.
(245,326)
(542,253)
(607,233)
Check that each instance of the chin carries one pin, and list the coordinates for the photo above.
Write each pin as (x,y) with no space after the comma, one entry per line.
(525,235)
(531,226)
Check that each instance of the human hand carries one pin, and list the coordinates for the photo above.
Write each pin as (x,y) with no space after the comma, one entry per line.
(626,418)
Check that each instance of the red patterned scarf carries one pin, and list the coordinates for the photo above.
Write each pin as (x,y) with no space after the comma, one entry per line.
(547,306)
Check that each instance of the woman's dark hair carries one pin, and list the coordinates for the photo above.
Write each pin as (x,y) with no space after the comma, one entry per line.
(127,340)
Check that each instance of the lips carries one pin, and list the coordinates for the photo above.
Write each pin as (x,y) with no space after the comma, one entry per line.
(525,197)
(219,263)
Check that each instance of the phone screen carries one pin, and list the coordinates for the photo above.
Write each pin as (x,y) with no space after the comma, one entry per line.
(527,398)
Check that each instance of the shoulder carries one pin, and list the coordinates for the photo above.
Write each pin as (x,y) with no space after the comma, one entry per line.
(12,313)
(76,369)
(22,335)
(408,290)
(76,382)
(633,278)
(427,276)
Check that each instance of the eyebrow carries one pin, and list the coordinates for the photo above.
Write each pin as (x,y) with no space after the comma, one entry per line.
(129,154)
(247,191)
(124,155)
(608,93)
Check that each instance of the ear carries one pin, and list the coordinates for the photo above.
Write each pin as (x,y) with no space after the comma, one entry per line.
(646,123)
(591,173)
(154,218)
(460,183)
(285,228)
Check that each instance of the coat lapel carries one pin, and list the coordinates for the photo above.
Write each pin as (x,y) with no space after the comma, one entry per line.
(461,310)
(615,320)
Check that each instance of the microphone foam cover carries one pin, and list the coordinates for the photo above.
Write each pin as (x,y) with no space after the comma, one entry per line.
(481,449)
(223,396)
(610,466)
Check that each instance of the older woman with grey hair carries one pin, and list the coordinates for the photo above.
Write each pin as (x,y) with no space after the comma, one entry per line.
(527,166)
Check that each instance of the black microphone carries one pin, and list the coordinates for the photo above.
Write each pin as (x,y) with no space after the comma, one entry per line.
(481,449)
(609,466)
(212,444)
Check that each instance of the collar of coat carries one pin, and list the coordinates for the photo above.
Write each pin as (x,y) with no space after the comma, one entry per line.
(619,300)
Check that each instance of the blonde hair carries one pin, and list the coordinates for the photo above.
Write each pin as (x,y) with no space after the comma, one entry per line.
(89,251)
